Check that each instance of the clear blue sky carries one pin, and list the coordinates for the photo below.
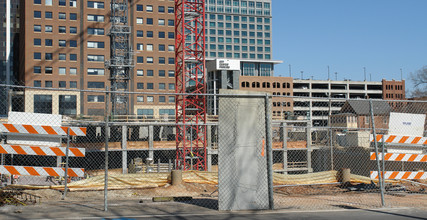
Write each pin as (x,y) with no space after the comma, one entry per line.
(347,35)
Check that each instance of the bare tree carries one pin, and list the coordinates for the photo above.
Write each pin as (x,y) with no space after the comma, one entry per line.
(419,79)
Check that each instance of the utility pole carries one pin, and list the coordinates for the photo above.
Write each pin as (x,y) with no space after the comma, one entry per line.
(328,74)
(401,74)
(302,74)
(336,76)
(290,71)
(364,72)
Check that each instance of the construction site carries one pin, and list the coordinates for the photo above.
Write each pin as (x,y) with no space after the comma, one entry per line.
(233,155)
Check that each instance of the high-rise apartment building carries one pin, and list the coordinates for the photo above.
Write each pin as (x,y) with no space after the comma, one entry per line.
(14,49)
(241,30)
(65,44)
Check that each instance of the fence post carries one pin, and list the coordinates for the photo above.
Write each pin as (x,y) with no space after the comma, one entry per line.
(284,137)
(151,142)
(124,149)
(107,98)
(380,174)
(66,164)
(209,146)
(309,149)
(269,151)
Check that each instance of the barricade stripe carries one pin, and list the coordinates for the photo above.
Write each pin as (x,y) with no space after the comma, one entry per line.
(76,152)
(2,150)
(19,150)
(416,139)
(71,172)
(32,171)
(387,156)
(403,139)
(57,151)
(413,157)
(30,129)
(10,128)
(49,130)
(373,156)
(379,137)
(418,176)
(406,175)
(38,151)
(50,171)
(391,138)
(400,157)
(424,159)
(12,170)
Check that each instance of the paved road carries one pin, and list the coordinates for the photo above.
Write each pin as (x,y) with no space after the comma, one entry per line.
(171,210)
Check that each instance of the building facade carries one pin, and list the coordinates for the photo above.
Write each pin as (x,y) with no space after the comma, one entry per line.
(65,44)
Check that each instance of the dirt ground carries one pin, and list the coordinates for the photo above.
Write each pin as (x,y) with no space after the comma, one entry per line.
(291,197)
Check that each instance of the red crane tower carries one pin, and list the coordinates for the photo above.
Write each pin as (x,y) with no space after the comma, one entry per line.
(190,80)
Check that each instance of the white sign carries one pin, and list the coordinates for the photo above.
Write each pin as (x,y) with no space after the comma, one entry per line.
(223,64)
(406,124)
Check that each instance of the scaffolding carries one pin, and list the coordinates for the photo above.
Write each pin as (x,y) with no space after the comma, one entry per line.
(121,57)
(190,78)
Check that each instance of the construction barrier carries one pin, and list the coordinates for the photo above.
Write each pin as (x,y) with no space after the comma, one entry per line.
(32,130)
(400,139)
(400,157)
(400,175)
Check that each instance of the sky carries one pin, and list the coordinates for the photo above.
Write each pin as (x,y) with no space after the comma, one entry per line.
(383,36)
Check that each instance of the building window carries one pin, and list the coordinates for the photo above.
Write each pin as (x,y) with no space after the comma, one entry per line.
(139,21)
(95,31)
(37,83)
(73,57)
(48,28)
(171,47)
(43,104)
(37,28)
(162,86)
(140,99)
(95,44)
(48,56)
(48,14)
(62,70)
(48,2)
(95,98)
(162,73)
(37,2)
(162,60)
(140,85)
(161,47)
(150,86)
(48,84)
(62,84)
(95,4)
(62,30)
(73,16)
(150,72)
(140,33)
(162,99)
(37,14)
(62,3)
(62,43)
(171,60)
(139,8)
(67,104)
(161,22)
(149,34)
(73,30)
(149,8)
(37,42)
(171,99)
(95,71)
(48,70)
(171,86)
(145,113)
(73,71)
(96,18)
(140,59)
(171,22)
(150,99)
(171,10)
(171,35)
(62,56)
(171,73)
(95,58)
(73,84)
(37,70)
(48,42)
(161,9)
(95,85)
(140,72)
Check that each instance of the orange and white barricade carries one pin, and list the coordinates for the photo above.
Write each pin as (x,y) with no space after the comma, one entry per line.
(41,150)
(403,157)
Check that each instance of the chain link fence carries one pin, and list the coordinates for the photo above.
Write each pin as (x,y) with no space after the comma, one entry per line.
(320,156)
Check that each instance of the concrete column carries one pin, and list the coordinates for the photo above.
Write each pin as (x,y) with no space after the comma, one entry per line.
(124,149)
(223,79)
(284,138)
(209,147)
(236,79)
(309,149)
(151,141)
